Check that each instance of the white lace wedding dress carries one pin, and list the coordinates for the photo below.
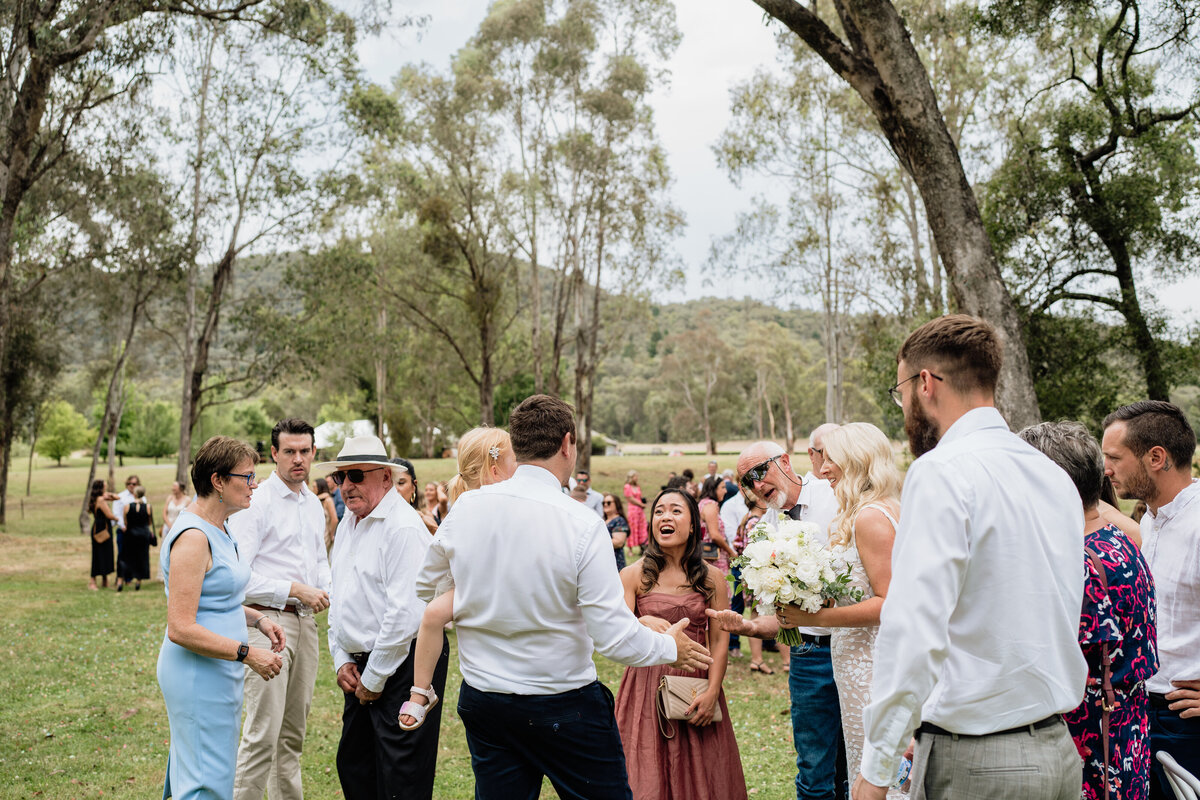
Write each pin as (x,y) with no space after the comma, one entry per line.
(852,650)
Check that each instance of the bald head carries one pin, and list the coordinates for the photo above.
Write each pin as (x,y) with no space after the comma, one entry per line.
(816,445)
(778,487)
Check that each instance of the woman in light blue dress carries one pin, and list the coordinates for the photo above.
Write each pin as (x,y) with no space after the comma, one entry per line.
(198,665)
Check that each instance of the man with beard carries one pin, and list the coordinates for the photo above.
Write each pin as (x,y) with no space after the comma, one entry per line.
(977,648)
(821,772)
(281,537)
(1148,448)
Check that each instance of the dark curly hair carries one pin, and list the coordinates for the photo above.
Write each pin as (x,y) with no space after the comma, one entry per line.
(693,564)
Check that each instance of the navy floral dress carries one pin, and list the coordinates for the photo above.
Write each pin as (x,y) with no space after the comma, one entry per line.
(1125,621)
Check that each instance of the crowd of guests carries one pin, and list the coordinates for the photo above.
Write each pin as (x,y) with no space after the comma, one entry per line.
(1013,633)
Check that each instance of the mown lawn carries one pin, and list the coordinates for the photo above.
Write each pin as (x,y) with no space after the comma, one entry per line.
(81,715)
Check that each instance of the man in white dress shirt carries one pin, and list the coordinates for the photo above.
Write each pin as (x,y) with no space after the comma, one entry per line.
(281,536)
(1148,448)
(535,593)
(766,469)
(977,648)
(374,617)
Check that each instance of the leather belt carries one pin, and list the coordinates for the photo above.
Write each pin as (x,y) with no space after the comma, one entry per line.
(1159,700)
(929,727)
(289,609)
(819,641)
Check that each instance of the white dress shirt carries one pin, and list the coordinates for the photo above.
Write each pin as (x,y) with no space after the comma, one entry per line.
(595,501)
(978,631)
(1171,545)
(374,606)
(282,537)
(123,500)
(818,505)
(732,512)
(535,589)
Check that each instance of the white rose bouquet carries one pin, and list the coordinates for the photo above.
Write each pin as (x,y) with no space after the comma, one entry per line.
(788,565)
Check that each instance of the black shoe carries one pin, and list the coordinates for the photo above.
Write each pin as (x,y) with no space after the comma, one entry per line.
(120,587)
(137,587)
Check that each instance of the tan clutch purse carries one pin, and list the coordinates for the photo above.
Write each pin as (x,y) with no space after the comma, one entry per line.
(675,694)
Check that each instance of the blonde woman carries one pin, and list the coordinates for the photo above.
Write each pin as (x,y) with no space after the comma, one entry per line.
(860,465)
(485,456)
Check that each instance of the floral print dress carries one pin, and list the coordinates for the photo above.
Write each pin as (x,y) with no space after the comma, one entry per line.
(1124,620)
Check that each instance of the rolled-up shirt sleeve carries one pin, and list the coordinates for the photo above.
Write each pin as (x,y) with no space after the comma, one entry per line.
(929,563)
(615,631)
(400,560)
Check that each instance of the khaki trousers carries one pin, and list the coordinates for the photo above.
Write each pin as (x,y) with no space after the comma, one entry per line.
(1042,764)
(277,713)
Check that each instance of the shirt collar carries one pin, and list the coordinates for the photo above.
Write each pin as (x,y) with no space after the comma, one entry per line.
(281,489)
(1182,500)
(976,419)
(384,508)
(539,474)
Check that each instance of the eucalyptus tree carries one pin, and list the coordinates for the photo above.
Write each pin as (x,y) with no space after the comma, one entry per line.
(253,107)
(1101,177)
(866,43)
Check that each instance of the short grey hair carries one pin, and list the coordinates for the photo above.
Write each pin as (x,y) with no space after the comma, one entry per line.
(1072,447)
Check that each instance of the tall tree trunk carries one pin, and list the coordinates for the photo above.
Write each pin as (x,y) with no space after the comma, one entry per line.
(33,434)
(879,61)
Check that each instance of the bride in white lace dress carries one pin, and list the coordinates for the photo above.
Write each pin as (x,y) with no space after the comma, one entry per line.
(860,465)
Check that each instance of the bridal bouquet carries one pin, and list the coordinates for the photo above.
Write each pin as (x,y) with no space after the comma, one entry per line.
(787,564)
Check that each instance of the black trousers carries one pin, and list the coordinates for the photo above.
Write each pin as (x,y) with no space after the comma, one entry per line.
(376,759)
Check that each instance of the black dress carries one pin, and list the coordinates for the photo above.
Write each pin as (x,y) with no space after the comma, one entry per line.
(136,551)
(102,552)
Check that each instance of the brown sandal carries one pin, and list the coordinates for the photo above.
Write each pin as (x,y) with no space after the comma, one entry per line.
(758,666)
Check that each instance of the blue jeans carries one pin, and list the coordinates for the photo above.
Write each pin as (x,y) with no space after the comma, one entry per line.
(1179,737)
(738,604)
(571,738)
(816,725)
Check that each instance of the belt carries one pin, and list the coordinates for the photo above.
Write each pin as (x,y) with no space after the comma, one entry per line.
(929,727)
(360,658)
(819,641)
(1158,700)
(290,609)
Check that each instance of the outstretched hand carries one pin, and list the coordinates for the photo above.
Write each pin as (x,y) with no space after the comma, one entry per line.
(735,623)
(690,655)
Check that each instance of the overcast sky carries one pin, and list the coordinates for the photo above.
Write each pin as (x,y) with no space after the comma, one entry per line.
(724,42)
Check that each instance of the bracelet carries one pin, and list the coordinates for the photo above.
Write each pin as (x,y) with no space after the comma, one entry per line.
(258,622)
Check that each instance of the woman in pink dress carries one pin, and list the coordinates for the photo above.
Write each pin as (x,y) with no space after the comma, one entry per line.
(636,516)
(669,582)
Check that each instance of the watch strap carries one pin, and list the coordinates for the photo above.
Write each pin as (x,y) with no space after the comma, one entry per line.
(243,649)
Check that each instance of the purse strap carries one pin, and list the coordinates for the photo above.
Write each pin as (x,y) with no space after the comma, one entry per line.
(1110,696)
(660,705)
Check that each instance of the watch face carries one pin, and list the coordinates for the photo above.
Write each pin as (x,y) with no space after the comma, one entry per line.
(243,649)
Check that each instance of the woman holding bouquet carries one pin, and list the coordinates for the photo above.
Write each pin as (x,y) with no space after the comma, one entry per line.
(669,582)
(860,466)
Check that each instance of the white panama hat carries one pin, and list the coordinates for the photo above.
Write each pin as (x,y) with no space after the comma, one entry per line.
(359,450)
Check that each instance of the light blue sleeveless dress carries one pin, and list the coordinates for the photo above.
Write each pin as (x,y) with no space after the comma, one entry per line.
(204,695)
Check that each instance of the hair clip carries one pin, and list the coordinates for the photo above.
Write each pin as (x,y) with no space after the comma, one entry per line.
(494,452)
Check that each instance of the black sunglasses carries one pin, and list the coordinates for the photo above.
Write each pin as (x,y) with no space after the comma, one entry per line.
(353,475)
(758,473)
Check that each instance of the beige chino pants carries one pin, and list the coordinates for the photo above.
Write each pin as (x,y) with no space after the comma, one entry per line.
(1038,765)
(268,757)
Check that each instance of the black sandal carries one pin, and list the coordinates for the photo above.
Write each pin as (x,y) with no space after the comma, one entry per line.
(758,666)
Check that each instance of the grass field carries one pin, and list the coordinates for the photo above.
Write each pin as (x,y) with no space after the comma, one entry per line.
(81,715)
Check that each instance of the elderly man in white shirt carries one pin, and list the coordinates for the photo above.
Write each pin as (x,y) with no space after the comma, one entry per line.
(535,593)
(374,617)
(281,536)
(977,648)
(766,469)
(1148,448)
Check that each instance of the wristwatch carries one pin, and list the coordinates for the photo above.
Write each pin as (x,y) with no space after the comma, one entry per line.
(243,649)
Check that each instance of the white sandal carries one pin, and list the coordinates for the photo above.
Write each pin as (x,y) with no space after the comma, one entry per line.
(416,710)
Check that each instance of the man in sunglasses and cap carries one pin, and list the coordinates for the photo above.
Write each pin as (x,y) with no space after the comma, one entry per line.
(374,616)
(766,470)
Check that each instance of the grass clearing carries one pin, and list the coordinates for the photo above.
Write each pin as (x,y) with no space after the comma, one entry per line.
(80,706)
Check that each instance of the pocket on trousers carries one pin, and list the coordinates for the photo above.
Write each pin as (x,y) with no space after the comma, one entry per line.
(557,722)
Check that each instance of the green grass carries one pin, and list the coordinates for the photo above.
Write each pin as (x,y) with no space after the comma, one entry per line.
(81,715)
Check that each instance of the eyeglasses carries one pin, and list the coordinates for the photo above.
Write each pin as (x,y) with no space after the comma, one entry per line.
(353,475)
(758,473)
(895,390)
(250,477)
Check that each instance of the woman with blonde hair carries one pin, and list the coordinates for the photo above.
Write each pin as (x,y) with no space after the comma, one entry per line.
(485,456)
(861,466)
